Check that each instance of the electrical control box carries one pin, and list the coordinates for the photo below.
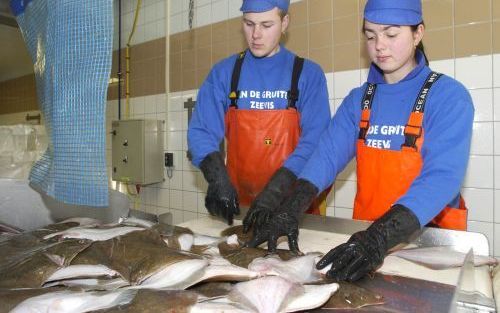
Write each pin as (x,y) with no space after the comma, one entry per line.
(137,151)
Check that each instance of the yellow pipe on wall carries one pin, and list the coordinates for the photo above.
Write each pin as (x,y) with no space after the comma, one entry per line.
(127,61)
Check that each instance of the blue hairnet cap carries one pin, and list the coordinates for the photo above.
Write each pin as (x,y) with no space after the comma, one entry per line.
(394,12)
(264,5)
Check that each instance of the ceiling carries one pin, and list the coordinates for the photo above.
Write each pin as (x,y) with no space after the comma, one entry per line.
(14,58)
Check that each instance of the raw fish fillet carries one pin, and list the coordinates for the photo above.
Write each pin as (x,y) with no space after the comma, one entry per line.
(300,269)
(269,294)
(440,257)
(74,301)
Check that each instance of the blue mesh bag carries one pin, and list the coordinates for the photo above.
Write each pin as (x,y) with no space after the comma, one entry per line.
(70,43)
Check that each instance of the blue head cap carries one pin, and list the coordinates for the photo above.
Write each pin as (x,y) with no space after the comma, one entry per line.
(264,5)
(394,12)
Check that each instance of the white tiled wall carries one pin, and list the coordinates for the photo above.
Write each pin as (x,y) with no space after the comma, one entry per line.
(150,21)
(205,12)
(183,194)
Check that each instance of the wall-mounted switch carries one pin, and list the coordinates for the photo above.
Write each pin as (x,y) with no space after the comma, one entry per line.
(169,159)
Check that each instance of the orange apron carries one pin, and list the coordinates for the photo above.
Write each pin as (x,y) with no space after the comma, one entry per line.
(383,176)
(259,141)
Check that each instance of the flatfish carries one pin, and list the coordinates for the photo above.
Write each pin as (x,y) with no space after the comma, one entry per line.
(351,296)
(267,294)
(74,301)
(440,257)
(300,269)
(242,256)
(138,256)
(31,270)
(9,298)
(157,301)
(212,290)
(94,233)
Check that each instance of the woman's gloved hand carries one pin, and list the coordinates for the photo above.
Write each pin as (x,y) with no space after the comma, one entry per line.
(269,199)
(222,198)
(365,251)
(285,221)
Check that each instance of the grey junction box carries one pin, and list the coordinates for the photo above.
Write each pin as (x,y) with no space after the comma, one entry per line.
(137,151)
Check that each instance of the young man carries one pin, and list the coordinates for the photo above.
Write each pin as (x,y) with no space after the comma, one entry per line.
(270,105)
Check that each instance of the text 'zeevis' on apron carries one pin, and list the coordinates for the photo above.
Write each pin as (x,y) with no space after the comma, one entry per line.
(385,175)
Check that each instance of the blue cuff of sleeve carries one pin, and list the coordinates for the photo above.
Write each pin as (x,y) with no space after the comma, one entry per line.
(18,6)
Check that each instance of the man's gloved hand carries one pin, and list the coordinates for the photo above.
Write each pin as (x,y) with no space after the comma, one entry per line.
(285,221)
(365,251)
(222,198)
(269,198)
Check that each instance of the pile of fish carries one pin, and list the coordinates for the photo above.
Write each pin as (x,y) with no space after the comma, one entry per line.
(81,265)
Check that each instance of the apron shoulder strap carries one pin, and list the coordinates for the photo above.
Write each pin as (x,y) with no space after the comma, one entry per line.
(235,78)
(293,93)
(413,128)
(366,106)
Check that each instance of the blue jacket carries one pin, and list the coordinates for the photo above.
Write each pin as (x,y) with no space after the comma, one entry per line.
(263,84)
(447,125)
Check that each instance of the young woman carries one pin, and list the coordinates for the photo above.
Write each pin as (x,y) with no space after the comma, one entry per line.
(410,130)
(271,106)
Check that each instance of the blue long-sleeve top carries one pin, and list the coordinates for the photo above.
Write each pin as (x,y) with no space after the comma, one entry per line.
(263,85)
(447,125)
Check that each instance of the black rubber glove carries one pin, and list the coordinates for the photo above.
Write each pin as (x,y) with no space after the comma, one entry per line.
(365,251)
(285,221)
(222,198)
(269,198)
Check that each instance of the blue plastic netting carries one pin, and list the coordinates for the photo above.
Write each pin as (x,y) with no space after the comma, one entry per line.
(70,43)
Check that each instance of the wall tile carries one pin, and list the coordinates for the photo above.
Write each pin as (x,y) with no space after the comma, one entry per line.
(203,15)
(201,203)
(474,72)
(438,13)
(496,138)
(472,11)
(483,104)
(298,13)
(479,173)
(176,180)
(496,70)
(190,201)
(320,35)
(344,8)
(344,82)
(349,173)
(496,104)
(483,228)
(496,213)
(177,216)
(482,138)
(219,11)
(189,181)
(297,38)
(344,193)
(472,40)
(496,241)
(320,10)
(163,198)
(324,57)
(480,204)
(176,199)
(343,213)
(346,29)
(439,44)
(188,216)
(496,36)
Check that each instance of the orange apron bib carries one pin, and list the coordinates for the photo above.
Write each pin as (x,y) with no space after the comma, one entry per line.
(383,176)
(259,141)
